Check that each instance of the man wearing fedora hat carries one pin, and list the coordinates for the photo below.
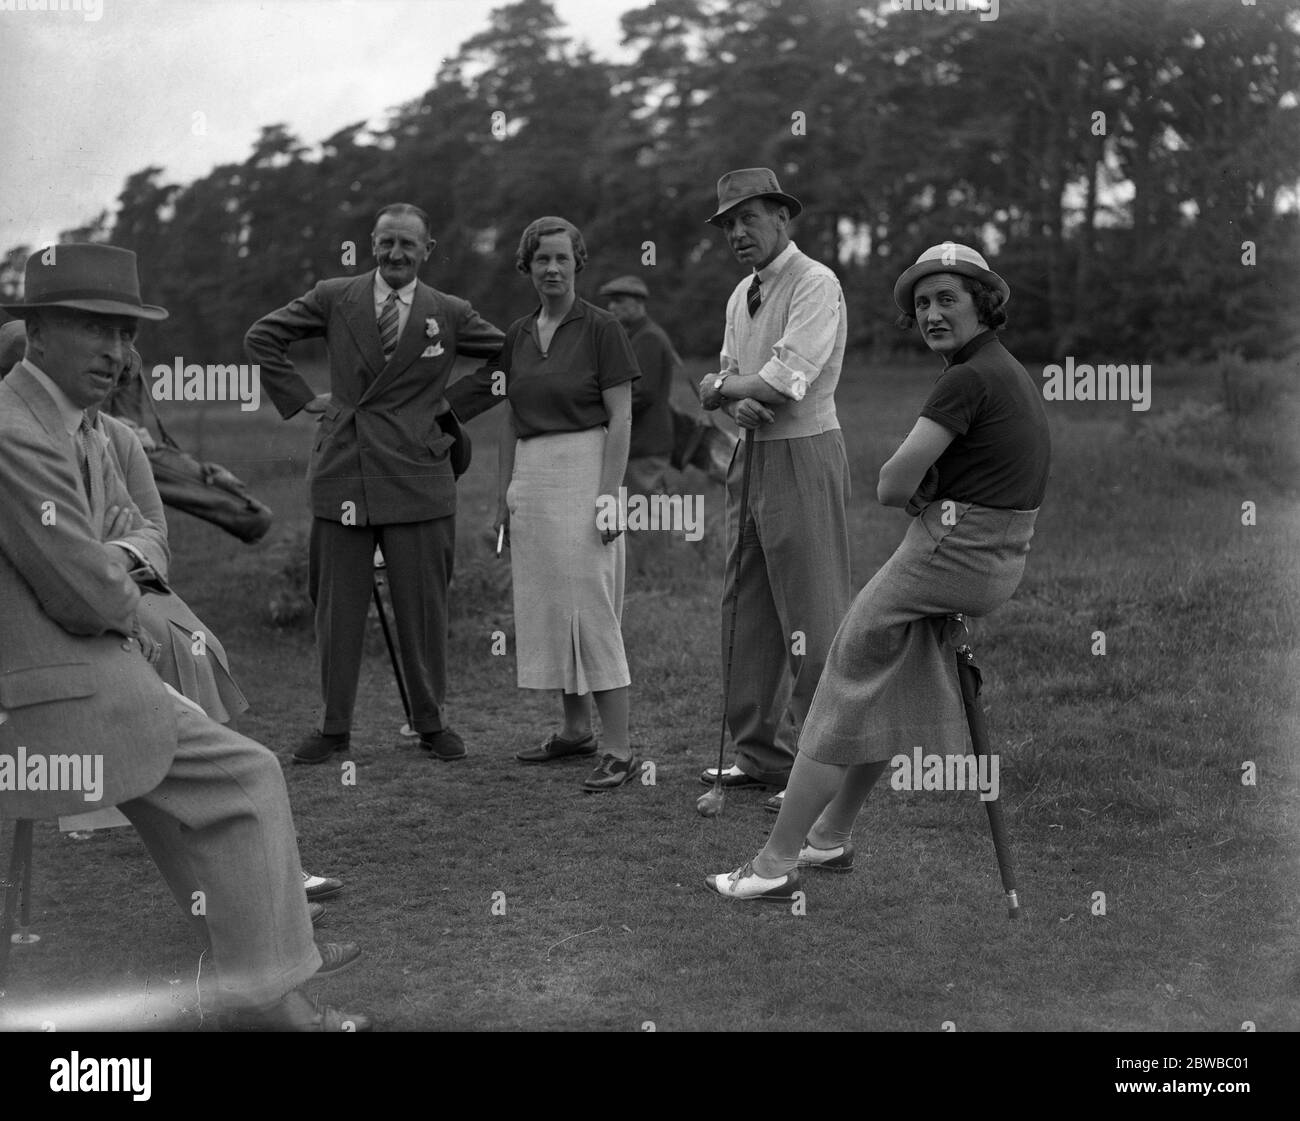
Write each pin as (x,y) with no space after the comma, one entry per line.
(788,554)
(652,421)
(972,472)
(75,673)
(383,469)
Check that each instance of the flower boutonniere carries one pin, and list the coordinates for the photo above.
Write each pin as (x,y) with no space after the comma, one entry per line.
(430,327)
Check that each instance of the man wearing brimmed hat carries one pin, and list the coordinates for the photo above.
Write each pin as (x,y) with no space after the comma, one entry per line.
(789,562)
(972,472)
(75,675)
(652,420)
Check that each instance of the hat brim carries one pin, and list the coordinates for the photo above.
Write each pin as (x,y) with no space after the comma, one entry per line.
(607,292)
(905,283)
(100,307)
(793,204)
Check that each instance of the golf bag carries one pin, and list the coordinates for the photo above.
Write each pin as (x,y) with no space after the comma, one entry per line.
(206,490)
(699,442)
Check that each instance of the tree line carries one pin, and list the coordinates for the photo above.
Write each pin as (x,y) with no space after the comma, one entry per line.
(1130,168)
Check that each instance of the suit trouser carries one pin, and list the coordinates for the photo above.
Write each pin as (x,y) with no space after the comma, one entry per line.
(219,823)
(419,556)
(794,589)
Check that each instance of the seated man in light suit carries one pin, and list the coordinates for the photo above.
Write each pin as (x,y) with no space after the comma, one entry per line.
(75,676)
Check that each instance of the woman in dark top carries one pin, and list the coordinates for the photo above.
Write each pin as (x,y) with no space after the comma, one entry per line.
(569,372)
(972,473)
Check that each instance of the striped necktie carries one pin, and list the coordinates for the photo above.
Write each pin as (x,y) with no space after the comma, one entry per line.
(92,467)
(754,297)
(388,326)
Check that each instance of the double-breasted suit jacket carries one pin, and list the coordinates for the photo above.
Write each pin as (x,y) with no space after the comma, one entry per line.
(73,680)
(379,445)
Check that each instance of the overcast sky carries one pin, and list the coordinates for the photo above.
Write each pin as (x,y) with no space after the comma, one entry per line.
(89,101)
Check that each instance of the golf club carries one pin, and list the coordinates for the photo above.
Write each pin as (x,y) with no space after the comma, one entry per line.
(968,673)
(710,804)
(380,570)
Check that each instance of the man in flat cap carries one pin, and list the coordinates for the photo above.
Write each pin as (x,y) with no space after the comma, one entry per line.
(652,418)
(76,680)
(788,554)
(652,421)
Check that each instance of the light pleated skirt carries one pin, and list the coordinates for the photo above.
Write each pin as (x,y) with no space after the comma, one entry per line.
(890,681)
(568,586)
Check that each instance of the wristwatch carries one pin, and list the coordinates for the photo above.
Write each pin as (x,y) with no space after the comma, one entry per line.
(717,385)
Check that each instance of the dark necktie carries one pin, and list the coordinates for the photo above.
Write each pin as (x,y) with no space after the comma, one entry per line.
(388,326)
(754,297)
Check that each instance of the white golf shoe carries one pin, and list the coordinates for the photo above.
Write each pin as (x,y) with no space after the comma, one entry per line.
(744,884)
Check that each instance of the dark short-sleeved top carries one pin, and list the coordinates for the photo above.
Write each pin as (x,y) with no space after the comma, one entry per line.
(652,419)
(1003,448)
(560,391)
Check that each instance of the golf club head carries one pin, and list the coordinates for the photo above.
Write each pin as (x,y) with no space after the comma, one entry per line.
(710,803)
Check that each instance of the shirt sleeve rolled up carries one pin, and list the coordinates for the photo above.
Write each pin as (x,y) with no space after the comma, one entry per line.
(799,355)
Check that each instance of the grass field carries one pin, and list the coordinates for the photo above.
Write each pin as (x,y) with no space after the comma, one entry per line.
(1121,773)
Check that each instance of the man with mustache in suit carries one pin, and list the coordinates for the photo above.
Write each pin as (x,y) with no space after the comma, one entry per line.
(382,467)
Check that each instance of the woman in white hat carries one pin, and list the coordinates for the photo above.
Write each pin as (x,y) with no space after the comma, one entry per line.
(972,474)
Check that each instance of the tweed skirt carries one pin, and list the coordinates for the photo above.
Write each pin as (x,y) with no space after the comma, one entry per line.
(568,586)
(890,682)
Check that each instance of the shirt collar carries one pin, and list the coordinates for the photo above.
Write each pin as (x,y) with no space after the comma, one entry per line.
(968,349)
(68,412)
(777,265)
(576,312)
(382,288)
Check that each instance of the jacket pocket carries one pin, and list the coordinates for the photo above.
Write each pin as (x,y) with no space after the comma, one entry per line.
(42,684)
(327,425)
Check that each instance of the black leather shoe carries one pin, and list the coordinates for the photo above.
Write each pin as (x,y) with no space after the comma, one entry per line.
(335,957)
(444,745)
(553,747)
(611,773)
(320,887)
(295,1011)
(318,747)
